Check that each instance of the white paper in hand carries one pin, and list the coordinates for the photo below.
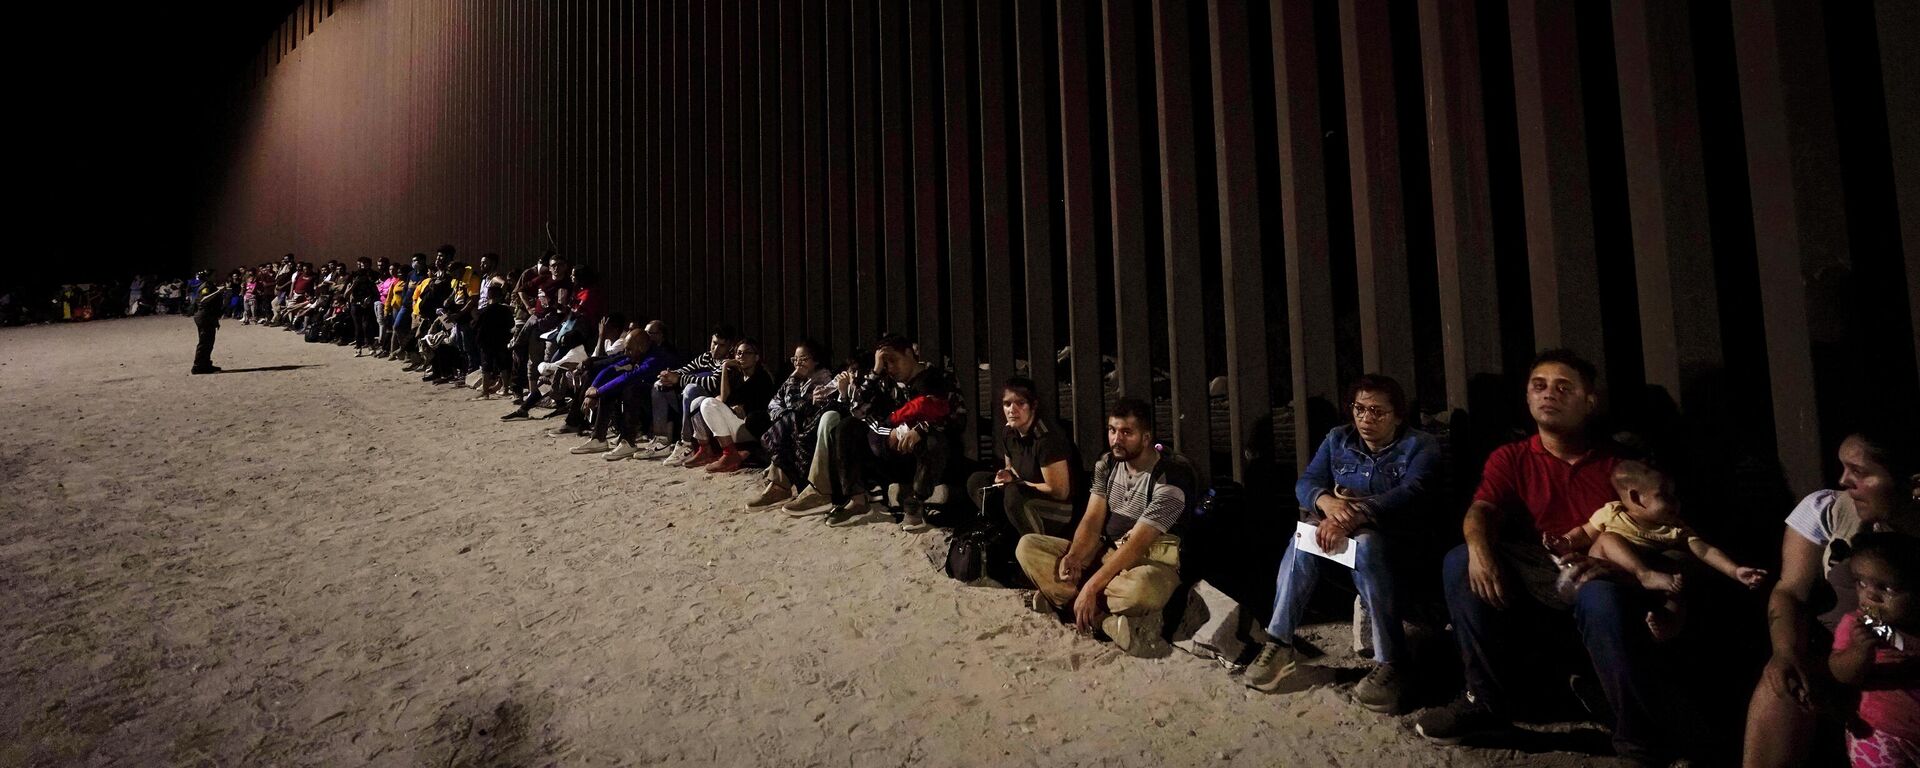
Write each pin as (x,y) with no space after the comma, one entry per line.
(1306,536)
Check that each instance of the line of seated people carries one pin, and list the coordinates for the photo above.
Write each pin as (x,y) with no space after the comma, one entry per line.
(1571,542)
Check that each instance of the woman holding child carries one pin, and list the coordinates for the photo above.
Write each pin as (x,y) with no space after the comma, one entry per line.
(1798,698)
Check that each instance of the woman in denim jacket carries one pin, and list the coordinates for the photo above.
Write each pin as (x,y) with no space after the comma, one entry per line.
(1366,478)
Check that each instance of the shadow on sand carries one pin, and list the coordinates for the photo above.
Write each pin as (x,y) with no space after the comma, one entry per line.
(224,371)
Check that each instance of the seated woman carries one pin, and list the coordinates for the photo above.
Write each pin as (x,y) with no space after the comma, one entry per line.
(1794,717)
(736,415)
(1366,486)
(1035,465)
(791,416)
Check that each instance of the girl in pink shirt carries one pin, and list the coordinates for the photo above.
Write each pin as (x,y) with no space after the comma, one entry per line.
(1875,651)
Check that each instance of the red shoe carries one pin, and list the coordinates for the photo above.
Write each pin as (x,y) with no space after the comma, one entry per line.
(702,457)
(730,461)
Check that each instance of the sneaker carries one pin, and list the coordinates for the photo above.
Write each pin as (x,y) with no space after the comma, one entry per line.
(810,502)
(852,513)
(1465,718)
(563,431)
(209,369)
(656,450)
(1379,690)
(773,495)
(1270,669)
(701,457)
(679,455)
(913,521)
(1137,636)
(518,413)
(592,446)
(621,451)
(1038,603)
(729,461)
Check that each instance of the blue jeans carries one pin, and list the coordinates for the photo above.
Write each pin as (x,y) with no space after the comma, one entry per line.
(673,411)
(1650,713)
(1299,572)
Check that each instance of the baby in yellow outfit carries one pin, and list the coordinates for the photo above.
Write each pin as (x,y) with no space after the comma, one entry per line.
(1645,521)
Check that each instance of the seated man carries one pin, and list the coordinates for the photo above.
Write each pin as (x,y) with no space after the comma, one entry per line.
(1506,594)
(1124,560)
(674,393)
(1368,481)
(618,395)
(894,429)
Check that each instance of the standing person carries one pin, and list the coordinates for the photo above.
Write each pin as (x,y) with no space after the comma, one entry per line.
(383,308)
(133,295)
(1368,481)
(209,300)
(363,289)
(492,327)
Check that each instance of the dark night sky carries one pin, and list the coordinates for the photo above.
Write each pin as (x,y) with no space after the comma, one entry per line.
(118,109)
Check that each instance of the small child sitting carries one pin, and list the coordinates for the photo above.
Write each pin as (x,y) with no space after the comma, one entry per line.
(1872,653)
(1646,521)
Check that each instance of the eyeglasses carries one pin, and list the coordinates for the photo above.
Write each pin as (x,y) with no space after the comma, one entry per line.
(1361,410)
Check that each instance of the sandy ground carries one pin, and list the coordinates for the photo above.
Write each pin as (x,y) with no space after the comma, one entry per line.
(336,564)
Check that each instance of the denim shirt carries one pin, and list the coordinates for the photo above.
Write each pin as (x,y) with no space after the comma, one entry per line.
(1392,481)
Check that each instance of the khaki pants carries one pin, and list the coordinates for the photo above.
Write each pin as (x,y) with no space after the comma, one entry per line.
(1137,591)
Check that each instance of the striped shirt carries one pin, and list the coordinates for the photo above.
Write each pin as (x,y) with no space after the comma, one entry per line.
(1130,501)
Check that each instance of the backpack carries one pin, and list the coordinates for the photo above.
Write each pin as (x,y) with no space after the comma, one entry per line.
(985,549)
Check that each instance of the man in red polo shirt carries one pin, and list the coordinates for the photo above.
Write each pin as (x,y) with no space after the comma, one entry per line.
(1501,584)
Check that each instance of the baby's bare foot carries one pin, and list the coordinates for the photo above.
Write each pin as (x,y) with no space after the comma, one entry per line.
(1661,582)
(1664,626)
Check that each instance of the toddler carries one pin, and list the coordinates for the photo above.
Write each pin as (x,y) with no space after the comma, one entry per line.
(1642,533)
(1870,652)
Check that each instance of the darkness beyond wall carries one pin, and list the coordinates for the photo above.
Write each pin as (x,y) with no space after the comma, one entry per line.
(1286,194)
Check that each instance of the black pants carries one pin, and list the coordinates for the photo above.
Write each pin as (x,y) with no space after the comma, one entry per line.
(203,353)
(621,410)
(365,328)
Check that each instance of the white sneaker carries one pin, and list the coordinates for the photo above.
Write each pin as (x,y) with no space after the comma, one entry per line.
(679,455)
(591,446)
(621,451)
(654,450)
